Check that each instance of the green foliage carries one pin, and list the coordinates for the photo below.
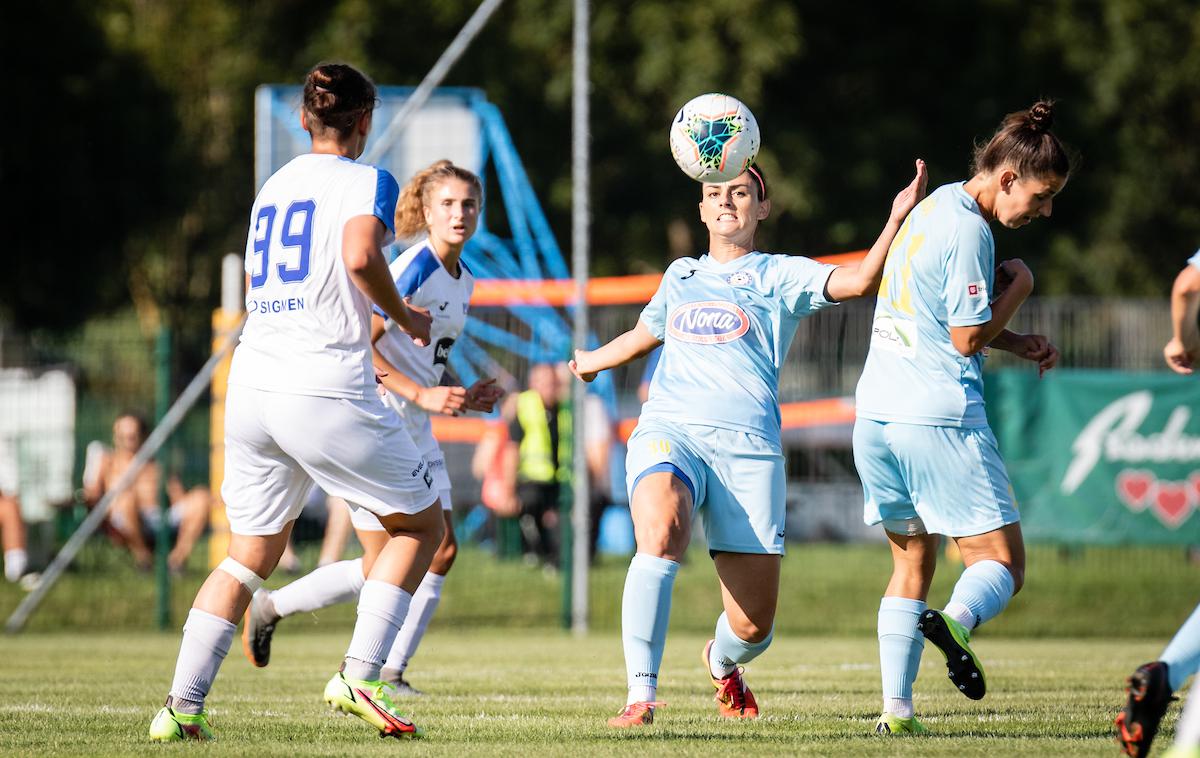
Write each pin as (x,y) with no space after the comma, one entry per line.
(494,693)
(141,114)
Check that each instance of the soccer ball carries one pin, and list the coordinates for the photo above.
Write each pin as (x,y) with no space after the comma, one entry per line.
(714,138)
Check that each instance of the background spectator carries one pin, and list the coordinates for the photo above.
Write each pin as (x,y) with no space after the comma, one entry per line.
(135,514)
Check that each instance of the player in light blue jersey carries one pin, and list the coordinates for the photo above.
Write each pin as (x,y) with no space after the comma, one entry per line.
(1182,352)
(927,459)
(441,202)
(302,408)
(1153,685)
(708,440)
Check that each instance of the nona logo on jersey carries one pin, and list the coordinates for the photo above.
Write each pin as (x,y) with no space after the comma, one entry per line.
(708,322)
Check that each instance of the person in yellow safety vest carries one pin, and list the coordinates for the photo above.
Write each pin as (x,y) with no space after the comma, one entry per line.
(539,451)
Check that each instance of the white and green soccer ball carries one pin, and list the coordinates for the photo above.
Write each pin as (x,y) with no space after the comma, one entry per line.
(714,137)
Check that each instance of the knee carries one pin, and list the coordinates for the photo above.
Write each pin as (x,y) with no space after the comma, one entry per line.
(444,558)
(1018,575)
(660,539)
(749,631)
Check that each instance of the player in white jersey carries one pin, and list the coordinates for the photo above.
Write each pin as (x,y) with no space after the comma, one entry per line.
(929,464)
(302,407)
(442,201)
(708,440)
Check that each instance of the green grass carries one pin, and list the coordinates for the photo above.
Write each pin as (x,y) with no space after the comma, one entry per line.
(544,693)
(1096,591)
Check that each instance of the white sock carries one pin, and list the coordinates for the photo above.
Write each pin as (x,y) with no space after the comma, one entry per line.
(206,640)
(1187,729)
(381,610)
(960,613)
(336,583)
(424,602)
(15,563)
(901,707)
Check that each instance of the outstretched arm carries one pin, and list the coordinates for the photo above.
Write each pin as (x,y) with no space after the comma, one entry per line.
(634,343)
(862,278)
(1182,352)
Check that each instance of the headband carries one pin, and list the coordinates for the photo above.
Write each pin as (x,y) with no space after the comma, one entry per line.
(762,186)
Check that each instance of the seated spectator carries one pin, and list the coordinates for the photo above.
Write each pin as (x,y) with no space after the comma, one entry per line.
(135,514)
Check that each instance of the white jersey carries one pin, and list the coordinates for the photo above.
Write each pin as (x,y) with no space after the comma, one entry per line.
(308,326)
(421,277)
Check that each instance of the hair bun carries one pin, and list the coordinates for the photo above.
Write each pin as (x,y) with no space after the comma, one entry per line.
(1041,115)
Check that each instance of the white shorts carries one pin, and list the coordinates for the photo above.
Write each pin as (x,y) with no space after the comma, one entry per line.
(422,435)
(277,445)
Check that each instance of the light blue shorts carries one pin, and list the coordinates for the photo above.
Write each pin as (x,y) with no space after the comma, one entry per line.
(936,479)
(736,479)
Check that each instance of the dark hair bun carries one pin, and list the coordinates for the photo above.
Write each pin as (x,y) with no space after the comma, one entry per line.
(1041,115)
(337,94)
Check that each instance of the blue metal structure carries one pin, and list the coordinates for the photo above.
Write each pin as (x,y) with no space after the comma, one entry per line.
(460,124)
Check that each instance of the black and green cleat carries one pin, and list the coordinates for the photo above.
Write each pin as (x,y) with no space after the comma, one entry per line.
(952,638)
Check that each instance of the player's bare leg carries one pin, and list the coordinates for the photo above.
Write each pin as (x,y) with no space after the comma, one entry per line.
(750,595)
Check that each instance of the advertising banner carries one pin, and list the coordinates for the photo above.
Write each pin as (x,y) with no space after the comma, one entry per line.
(1101,457)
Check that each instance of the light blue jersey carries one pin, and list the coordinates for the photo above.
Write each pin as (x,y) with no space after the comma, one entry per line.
(938,275)
(726,329)
(1195,259)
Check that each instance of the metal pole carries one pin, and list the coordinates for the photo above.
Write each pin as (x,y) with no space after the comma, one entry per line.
(162,538)
(449,57)
(580,221)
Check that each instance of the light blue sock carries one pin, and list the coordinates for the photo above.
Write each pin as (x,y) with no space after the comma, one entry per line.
(1182,655)
(980,593)
(729,650)
(645,611)
(900,646)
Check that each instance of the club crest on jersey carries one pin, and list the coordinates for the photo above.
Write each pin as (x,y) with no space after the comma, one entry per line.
(742,279)
(708,322)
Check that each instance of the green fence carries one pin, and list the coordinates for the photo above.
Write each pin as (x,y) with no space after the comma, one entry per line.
(1074,587)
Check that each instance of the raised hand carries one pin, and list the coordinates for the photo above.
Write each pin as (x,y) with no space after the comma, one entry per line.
(483,394)
(910,195)
(1181,358)
(581,357)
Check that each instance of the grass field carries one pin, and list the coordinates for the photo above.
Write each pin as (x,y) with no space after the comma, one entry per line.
(520,692)
(1134,592)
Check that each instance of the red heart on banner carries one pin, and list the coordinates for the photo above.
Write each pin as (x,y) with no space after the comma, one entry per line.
(1172,503)
(1133,486)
